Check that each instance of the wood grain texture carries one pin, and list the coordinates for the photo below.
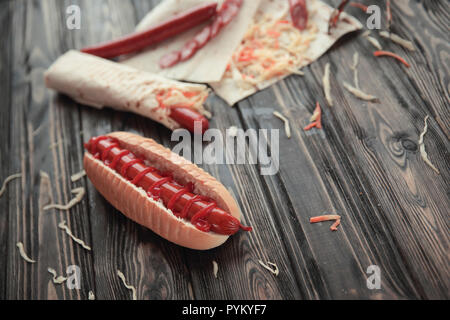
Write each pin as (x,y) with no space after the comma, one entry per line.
(364,165)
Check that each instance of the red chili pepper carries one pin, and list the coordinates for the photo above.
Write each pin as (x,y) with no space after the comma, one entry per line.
(390,54)
(318,122)
(359,6)
(327,218)
(156,34)
(335,15)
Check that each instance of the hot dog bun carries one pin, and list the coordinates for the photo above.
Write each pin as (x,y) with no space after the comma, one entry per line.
(134,203)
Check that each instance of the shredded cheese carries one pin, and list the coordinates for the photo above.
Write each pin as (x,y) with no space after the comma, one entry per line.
(129,287)
(270,49)
(328,217)
(399,40)
(354,67)
(422,150)
(62,225)
(215,269)
(91,295)
(56,279)
(77,176)
(358,93)
(326,84)
(79,194)
(174,97)
(272,267)
(372,40)
(23,254)
(7,180)
(287,127)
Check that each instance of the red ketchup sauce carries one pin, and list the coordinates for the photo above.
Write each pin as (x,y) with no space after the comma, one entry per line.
(202,212)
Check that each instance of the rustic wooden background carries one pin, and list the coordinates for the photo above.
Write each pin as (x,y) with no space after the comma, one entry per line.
(366,167)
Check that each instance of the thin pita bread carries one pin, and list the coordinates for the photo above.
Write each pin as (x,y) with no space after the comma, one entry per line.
(98,82)
(209,63)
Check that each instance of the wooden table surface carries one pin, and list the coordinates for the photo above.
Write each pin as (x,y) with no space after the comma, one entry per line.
(365,166)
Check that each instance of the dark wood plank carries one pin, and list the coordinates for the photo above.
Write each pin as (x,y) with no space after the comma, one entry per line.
(43,141)
(241,276)
(430,76)
(5,93)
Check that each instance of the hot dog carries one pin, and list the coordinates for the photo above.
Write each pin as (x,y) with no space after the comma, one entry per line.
(98,82)
(161,190)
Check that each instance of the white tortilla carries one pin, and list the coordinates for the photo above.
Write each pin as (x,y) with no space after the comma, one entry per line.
(98,82)
(319,14)
(209,63)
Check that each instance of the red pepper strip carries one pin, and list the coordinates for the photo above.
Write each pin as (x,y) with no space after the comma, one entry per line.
(359,6)
(335,15)
(299,13)
(156,34)
(318,122)
(327,218)
(390,54)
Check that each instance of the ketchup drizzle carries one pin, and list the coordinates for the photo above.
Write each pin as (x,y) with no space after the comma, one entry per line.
(123,171)
(198,219)
(175,198)
(117,158)
(107,150)
(183,214)
(94,144)
(158,184)
(142,174)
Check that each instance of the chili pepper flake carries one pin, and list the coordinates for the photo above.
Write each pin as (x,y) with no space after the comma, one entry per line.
(316,119)
(332,217)
(391,54)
